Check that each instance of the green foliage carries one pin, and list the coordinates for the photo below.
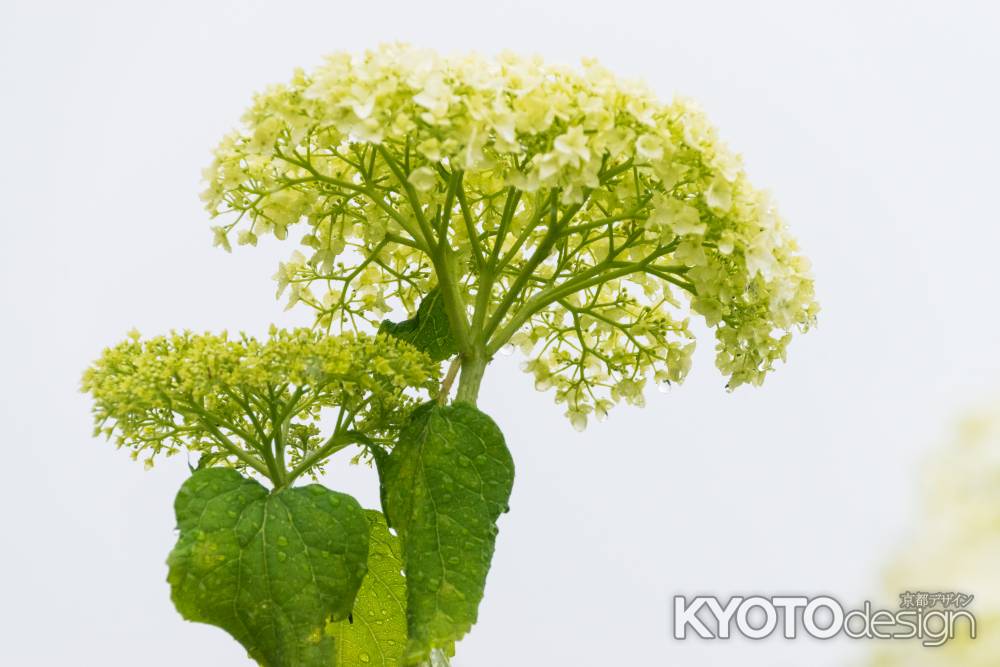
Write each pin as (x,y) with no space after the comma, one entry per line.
(375,636)
(444,487)
(271,569)
(428,330)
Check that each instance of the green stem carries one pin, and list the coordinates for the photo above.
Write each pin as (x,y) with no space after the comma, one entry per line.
(333,445)
(473,369)
(449,380)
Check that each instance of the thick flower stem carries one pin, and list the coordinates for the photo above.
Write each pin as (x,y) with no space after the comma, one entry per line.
(473,368)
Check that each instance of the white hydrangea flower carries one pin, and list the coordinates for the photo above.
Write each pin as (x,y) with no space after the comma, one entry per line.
(560,208)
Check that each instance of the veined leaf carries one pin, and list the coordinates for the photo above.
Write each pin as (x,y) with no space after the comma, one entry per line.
(271,569)
(376,635)
(445,485)
(428,330)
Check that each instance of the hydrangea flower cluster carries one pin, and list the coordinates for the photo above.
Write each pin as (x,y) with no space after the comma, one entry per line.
(254,404)
(504,203)
(562,210)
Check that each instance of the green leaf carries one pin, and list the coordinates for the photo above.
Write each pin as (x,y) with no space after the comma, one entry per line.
(376,635)
(445,484)
(271,569)
(428,330)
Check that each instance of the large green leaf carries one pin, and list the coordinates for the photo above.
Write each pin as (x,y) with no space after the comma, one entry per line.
(445,484)
(428,329)
(376,633)
(271,569)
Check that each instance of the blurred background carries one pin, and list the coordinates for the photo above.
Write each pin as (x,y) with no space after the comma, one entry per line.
(955,542)
(874,123)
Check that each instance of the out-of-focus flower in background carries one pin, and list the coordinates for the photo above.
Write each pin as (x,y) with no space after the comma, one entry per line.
(955,546)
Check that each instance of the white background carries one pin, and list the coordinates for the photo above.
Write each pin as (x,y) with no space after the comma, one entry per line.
(875,124)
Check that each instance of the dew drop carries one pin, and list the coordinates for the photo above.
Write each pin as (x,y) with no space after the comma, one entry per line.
(282,556)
